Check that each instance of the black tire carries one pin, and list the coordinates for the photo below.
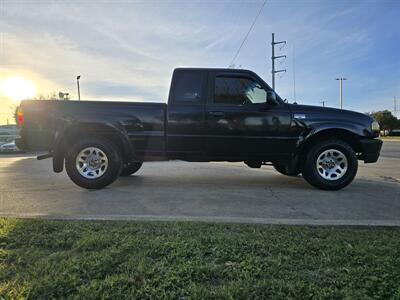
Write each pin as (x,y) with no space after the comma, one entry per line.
(313,176)
(111,173)
(281,168)
(131,168)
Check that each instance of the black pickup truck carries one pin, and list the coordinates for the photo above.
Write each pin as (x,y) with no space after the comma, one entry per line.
(212,115)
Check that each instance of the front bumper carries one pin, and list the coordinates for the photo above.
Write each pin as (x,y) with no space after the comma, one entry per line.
(371,149)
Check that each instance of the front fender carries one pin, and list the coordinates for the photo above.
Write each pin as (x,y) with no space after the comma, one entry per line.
(352,132)
(353,128)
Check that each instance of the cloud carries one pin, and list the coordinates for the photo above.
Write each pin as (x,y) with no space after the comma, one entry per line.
(127,49)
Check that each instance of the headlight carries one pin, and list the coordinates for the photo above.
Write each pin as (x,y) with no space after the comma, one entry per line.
(375,126)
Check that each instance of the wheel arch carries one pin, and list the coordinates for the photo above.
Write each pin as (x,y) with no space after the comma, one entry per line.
(350,137)
(75,132)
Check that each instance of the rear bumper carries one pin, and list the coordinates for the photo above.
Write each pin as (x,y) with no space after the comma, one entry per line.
(371,149)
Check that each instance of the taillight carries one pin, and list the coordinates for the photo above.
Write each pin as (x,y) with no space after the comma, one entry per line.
(20,117)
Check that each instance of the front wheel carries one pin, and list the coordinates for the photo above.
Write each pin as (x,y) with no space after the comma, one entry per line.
(330,165)
(93,163)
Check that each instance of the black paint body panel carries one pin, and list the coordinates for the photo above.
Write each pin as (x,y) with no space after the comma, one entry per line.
(198,131)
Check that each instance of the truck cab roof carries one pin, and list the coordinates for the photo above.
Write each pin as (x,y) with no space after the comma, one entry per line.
(227,70)
(211,69)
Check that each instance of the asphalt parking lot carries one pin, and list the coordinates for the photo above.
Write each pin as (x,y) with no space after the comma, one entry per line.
(205,192)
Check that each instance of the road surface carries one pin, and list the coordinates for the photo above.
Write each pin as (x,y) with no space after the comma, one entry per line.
(391,149)
(205,192)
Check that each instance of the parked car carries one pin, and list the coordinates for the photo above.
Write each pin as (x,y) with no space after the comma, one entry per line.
(5,139)
(395,132)
(9,147)
(212,115)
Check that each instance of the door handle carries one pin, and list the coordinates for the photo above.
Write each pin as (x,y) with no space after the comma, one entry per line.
(217,113)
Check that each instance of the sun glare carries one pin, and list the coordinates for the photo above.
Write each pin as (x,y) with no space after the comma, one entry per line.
(17,88)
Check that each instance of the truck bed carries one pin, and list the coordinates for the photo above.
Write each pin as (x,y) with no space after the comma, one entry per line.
(144,123)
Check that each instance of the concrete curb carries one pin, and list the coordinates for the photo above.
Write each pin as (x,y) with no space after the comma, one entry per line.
(240,220)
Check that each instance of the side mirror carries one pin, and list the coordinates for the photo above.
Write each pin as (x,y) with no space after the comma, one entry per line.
(271,98)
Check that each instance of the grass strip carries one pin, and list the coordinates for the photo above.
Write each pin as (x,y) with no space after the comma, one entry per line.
(42,259)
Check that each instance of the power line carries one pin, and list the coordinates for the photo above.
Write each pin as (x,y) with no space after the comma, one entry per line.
(248,32)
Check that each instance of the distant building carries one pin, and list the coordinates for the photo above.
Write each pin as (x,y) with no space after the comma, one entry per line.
(9,130)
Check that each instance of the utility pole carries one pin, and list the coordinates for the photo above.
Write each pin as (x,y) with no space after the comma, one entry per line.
(341,90)
(395,106)
(273,57)
(323,102)
(79,91)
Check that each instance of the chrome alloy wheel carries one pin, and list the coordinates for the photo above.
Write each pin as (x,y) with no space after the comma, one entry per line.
(332,164)
(91,162)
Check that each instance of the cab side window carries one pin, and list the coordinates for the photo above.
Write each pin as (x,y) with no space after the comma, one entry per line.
(188,86)
(238,91)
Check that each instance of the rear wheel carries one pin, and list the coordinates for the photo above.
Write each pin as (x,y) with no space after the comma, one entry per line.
(93,163)
(131,168)
(330,165)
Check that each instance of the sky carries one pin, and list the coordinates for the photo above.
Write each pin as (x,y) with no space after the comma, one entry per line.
(127,50)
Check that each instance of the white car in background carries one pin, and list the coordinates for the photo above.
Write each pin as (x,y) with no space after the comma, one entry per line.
(9,147)
(6,139)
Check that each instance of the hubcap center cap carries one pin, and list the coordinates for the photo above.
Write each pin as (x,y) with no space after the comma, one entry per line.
(91,162)
(94,162)
(329,164)
(332,164)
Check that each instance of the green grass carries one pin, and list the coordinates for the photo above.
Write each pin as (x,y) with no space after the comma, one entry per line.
(42,259)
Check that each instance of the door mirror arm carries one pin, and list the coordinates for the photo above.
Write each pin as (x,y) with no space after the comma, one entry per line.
(271,98)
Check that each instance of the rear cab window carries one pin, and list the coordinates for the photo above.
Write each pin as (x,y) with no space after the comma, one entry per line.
(188,87)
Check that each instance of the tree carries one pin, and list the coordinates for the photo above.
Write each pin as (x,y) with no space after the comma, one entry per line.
(16,114)
(386,120)
(51,96)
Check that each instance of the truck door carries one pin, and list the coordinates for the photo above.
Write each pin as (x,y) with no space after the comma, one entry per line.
(239,121)
(185,113)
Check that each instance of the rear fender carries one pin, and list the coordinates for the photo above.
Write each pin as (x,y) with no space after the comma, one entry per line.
(64,138)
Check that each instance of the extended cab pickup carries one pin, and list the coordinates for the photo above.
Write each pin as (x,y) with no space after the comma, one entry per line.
(212,115)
